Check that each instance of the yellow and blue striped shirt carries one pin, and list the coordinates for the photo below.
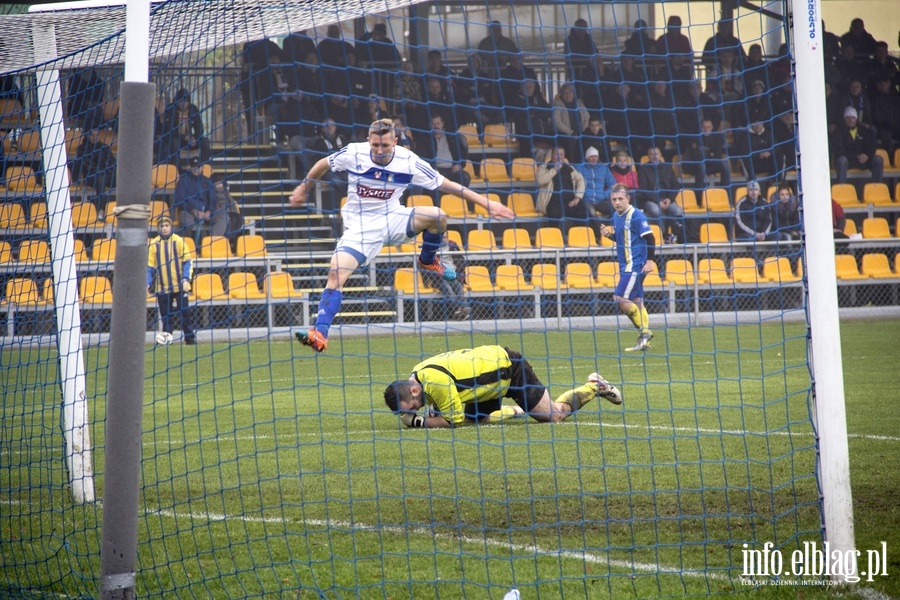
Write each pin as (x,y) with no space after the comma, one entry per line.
(171,261)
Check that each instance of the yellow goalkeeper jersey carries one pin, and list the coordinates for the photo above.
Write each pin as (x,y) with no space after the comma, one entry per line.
(455,378)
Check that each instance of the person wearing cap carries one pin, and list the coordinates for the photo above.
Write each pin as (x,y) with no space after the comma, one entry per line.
(170,270)
(598,180)
(753,216)
(495,49)
(853,147)
(195,197)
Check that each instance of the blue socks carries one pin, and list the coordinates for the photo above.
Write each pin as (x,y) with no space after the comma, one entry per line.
(431,243)
(329,305)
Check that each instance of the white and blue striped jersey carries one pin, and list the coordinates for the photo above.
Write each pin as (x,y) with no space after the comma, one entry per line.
(375,188)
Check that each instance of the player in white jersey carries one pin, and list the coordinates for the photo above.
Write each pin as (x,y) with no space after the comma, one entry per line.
(378,172)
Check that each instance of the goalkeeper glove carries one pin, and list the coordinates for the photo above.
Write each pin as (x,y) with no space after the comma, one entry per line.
(412,420)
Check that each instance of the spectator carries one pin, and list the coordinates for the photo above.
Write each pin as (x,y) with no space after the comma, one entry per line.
(195,197)
(561,191)
(371,109)
(338,108)
(858,99)
(838,221)
(831,45)
(232,226)
(410,97)
(785,141)
(859,39)
(160,148)
(854,147)
(512,77)
(335,53)
(331,139)
(729,76)
(834,109)
(623,171)
(847,66)
(84,98)
(674,43)
(540,118)
(658,186)
(786,214)
(580,50)
(759,108)
(724,39)
(761,148)
(380,54)
(495,50)
(885,111)
(296,46)
(452,291)
(753,216)
(598,180)
(436,69)
(641,42)
(756,66)
(477,95)
(590,89)
(95,167)
(594,137)
(256,79)
(404,135)
(185,129)
(662,117)
(170,266)
(883,65)
(571,118)
(448,152)
(439,104)
(706,154)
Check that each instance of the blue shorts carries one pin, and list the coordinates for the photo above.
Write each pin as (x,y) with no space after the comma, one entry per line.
(631,285)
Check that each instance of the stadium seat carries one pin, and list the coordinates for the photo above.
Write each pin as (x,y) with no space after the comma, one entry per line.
(715,200)
(244,286)
(652,279)
(516,239)
(845,195)
(523,169)
(79,251)
(510,278)
(30,142)
(104,249)
(72,141)
(478,279)
(158,208)
(657,234)
(475,179)
(191,246)
(452,235)
(415,200)
(251,246)
(481,240)
(679,272)
(84,214)
(876,266)
(34,251)
(850,227)
(11,111)
(579,275)
(456,207)
(406,279)
(522,203)
(745,270)
(47,292)
(95,289)
(846,268)
(549,238)
(582,237)
(21,179)
(12,215)
(496,135)
(711,271)
(896,162)
(481,211)
(546,277)
(280,286)
(470,133)
(607,274)
(22,291)
(687,200)
(5,252)
(877,194)
(494,170)
(875,227)
(778,269)
(37,216)
(208,286)
(163,178)
(713,233)
(215,246)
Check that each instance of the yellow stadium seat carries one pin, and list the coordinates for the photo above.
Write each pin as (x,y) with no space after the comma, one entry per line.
(652,279)
(516,239)
(875,227)
(579,275)
(158,208)
(215,246)
(510,278)
(79,251)
(104,249)
(877,194)
(208,286)
(657,234)
(454,236)
(850,227)
(96,289)
(30,142)
(522,204)
(280,285)
(406,279)
(496,135)
(251,246)
(523,169)
(778,269)
(84,214)
(481,240)
(679,272)
(12,215)
(716,200)
(546,277)
(582,237)
(416,200)
(845,195)
(481,211)
(163,178)
(607,274)
(5,252)
(846,268)
(34,251)
(470,133)
(713,233)
(687,200)
(456,207)
(244,286)
(37,216)
(478,279)
(876,266)
(494,170)
(47,292)
(549,238)
(21,179)
(745,270)
(11,112)
(22,291)
(475,179)
(711,271)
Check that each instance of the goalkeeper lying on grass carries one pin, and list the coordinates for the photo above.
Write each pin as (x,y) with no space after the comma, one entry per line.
(463,387)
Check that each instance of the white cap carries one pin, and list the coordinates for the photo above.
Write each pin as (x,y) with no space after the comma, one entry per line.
(851,112)
(591,152)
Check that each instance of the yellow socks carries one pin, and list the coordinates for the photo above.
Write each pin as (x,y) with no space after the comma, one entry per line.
(639,317)
(580,396)
(645,320)
(504,414)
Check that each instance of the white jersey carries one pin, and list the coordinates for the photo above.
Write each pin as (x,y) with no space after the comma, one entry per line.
(375,188)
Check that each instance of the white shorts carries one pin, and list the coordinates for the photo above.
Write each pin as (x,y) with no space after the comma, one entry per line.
(368,232)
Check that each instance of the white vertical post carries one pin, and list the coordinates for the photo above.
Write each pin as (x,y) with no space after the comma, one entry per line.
(815,187)
(65,278)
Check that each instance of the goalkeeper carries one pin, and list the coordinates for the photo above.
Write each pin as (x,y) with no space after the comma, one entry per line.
(464,387)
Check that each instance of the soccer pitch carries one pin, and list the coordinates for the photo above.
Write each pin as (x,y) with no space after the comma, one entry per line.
(268,471)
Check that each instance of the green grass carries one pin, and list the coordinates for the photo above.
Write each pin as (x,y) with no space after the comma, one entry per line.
(268,472)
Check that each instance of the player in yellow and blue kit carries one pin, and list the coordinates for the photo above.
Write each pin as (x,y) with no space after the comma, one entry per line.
(636,248)
(170,263)
(464,387)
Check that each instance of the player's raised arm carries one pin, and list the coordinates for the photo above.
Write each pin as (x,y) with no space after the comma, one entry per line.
(495,209)
(299,195)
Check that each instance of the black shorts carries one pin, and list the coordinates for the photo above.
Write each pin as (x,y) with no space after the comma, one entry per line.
(524,388)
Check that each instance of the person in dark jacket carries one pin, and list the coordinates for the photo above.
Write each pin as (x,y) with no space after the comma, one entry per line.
(446,151)
(656,195)
(786,213)
(753,216)
(95,167)
(195,196)
(853,147)
(184,128)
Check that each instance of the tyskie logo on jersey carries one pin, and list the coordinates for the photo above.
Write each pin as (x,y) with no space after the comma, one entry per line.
(367,192)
